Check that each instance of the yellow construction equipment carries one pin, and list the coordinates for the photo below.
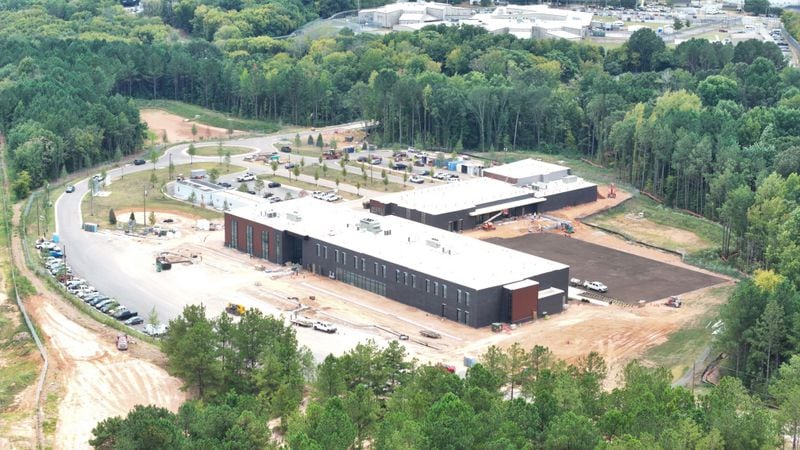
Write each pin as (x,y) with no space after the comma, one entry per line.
(235,309)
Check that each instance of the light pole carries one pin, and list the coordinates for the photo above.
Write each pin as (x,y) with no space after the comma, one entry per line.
(144,219)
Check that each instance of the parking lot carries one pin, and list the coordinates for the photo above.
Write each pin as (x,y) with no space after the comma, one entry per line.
(629,278)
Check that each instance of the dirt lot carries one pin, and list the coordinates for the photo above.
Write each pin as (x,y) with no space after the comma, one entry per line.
(91,379)
(629,278)
(179,129)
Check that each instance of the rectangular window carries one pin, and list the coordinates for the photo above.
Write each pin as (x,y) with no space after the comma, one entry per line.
(396,276)
(265,244)
(336,253)
(458,314)
(422,217)
(413,281)
(344,258)
(376,269)
(234,234)
(466,299)
(325,251)
(444,291)
(355,262)
(279,248)
(466,317)
(458,296)
(363,265)
(405,278)
(428,286)
(383,267)
(436,288)
(248,234)
(319,250)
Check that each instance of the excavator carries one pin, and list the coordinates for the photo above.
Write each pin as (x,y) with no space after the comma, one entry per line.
(235,309)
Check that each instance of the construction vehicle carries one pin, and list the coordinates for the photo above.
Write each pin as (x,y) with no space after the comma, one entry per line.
(674,301)
(488,226)
(235,309)
(612,191)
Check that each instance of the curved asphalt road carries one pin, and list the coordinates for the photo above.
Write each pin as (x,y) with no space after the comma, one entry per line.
(90,256)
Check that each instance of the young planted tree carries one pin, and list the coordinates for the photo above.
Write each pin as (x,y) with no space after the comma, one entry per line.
(296,172)
(316,177)
(320,142)
(153,157)
(132,218)
(192,151)
(297,140)
(171,170)
(358,188)
(244,188)
(310,140)
(194,131)
(164,138)
(227,161)
(259,185)
(213,175)
(152,218)
(112,218)
(153,179)
(274,166)
(220,152)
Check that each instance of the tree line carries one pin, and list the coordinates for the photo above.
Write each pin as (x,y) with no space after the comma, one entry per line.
(375,397)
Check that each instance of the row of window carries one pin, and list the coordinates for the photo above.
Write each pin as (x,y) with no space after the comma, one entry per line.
(401,277)
(234,243)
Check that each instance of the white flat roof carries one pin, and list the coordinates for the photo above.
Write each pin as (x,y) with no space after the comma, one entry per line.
(525,168)
(520,285)
(562,185)
(459,259)
(455,196)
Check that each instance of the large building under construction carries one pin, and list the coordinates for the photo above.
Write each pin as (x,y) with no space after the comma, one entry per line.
(459,278)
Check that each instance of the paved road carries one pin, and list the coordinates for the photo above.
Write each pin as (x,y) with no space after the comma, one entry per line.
(90,255)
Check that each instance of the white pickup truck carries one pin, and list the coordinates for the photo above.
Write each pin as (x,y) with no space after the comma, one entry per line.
(595,286)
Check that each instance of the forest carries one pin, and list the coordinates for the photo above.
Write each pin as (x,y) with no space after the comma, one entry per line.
(709,128)
(249,373)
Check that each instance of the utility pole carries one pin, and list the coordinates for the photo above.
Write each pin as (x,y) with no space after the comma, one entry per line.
(144,219)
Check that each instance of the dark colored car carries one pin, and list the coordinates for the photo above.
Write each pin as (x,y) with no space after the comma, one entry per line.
(226,185)
(135,320)
(400,166)
(125,315)
(273,184)
(268,195)
(70,189)
(139,162)
(290,166)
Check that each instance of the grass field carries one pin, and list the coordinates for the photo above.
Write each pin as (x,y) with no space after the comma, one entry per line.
(20,360)
(310,187)
(374,183)
(214,150)
(683,347)
(210,117)
(661,226)
(128,194)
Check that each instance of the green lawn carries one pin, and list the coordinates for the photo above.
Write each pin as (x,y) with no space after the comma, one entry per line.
(683,347)
(214,150)
(310,187)
(698,234)
(209,117)
(374,182)
(128,194)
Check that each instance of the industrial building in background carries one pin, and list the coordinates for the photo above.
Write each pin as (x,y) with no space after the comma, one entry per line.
(523,21)
(449,275)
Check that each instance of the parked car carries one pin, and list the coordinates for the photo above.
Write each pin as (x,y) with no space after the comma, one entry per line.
(595,286)
(290,166)
(135,320)
(362,158)
(268,194)
(324,326)
(376,161)
(273,184)
(139,162)
(246,177)
(416,179)
(225,184)
(126,315)
(400,166)
(70,189)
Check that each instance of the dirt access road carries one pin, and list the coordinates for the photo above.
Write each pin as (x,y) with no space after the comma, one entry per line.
(89,376)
